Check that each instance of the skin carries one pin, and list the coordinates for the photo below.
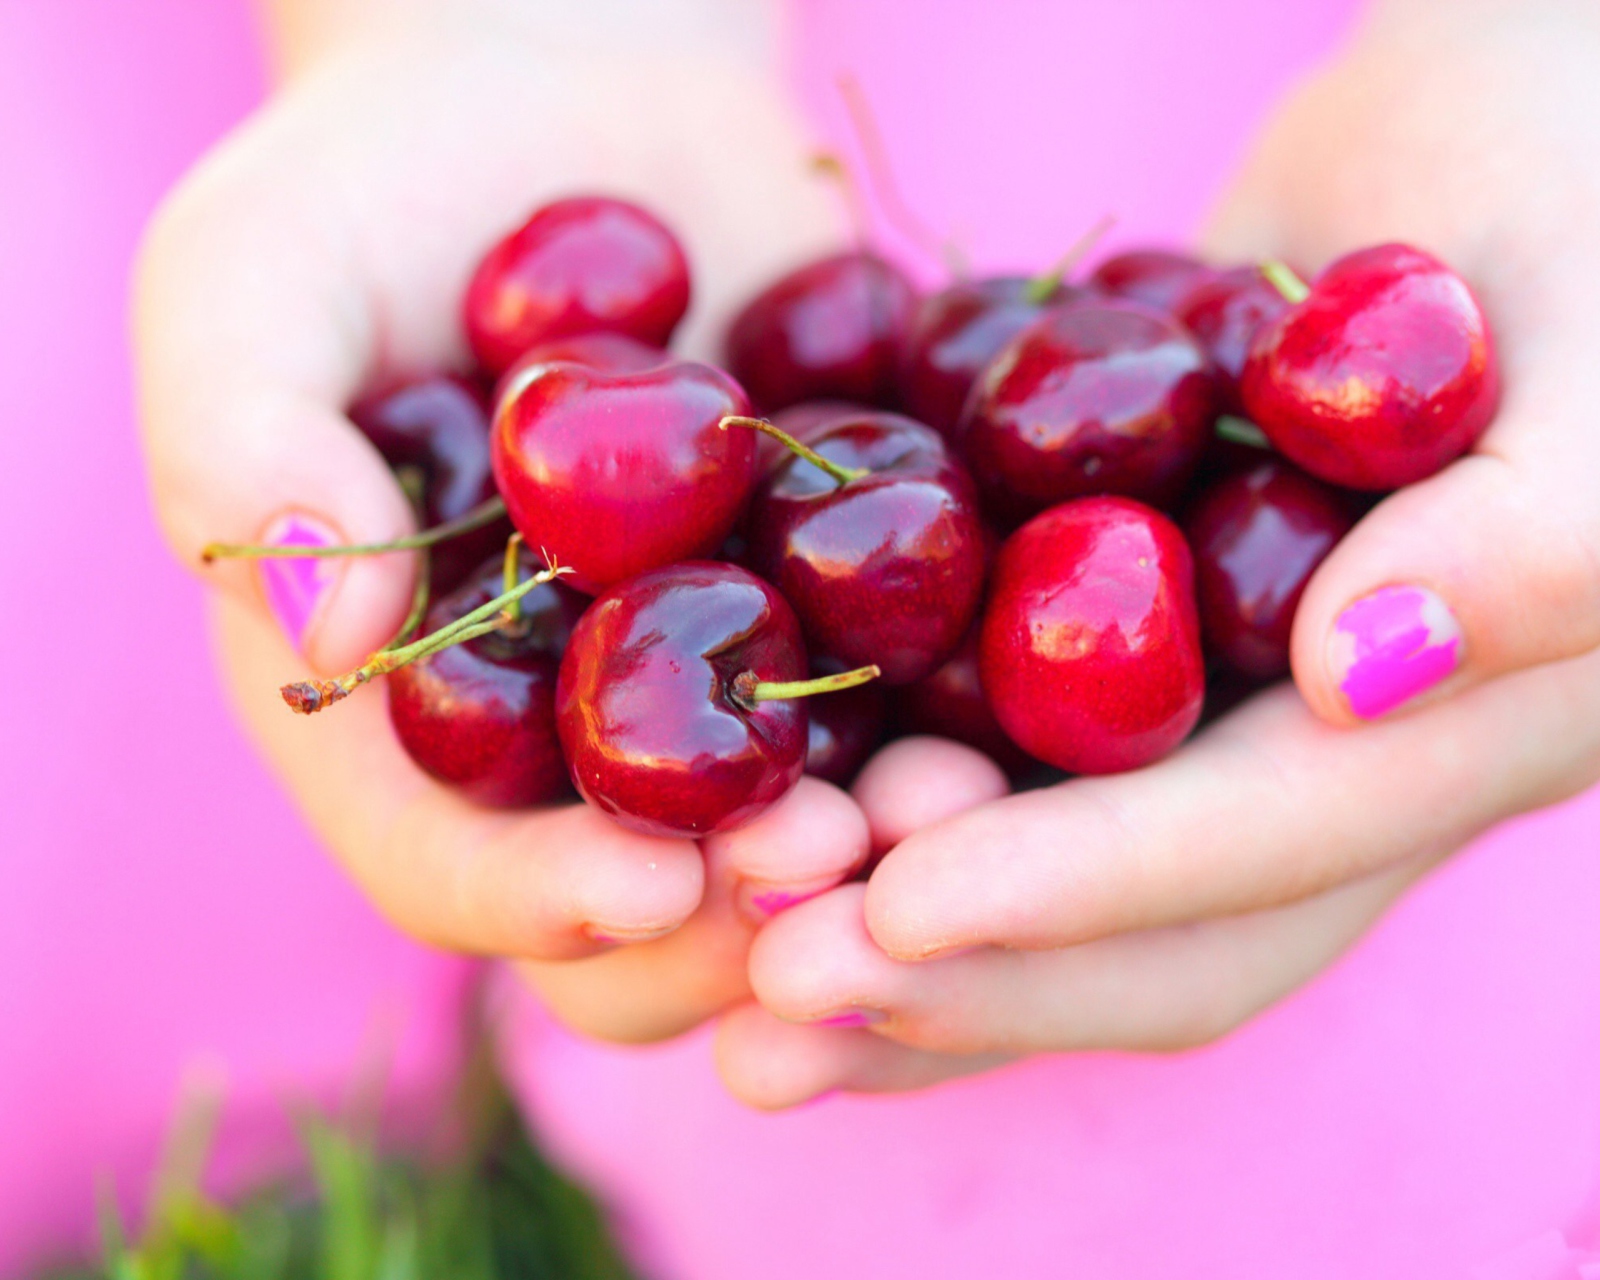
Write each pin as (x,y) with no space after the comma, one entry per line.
(1262,848)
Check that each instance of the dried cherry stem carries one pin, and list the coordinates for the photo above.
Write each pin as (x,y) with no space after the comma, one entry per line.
(307,696)
(1241,431)
(749,689)
(840,475)
(1281,276)
(1041,287)
(482,514)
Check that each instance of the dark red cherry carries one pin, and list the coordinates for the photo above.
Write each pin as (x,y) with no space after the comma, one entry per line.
(614,474)
(481,715)
(440,425)
(1090,648)
(950,704)
(1257,536)
(1093,397)
(605,352)
(830,330)
(655,701)
(805,422)
(885,569)
(1225,313)
(1156,277)
(1384,373)
(576,266)
(956,332)
(843,729)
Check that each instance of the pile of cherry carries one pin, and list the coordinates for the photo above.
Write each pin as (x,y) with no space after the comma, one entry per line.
(958,497)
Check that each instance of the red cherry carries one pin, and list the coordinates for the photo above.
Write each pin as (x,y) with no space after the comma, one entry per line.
(614,474)
(830,330)
(842,730)
(440,425)
(1257,537)
(576,266)
(606,352)
(1381,375)
(1156,277)
(805,422)
(481,715)
(1090,648)
(950,704)
(1093,397)
(886,568)
(671,701)
(1225,313)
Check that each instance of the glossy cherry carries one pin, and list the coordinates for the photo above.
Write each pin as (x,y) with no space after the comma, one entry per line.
(1257,536)
(955,332)
(655,702)
(617,473)
(805,422)
(886,568)
(1090,647)
(843,729)
(1158,278)
(605,352)
(1093,397)
(1383,373)
(440,425)
(481,715)
(576,266)
(950,704)
(829,330)
(1225,313)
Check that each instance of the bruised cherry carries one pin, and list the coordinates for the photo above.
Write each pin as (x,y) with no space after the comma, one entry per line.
(439,425)
(881,555)
(1257,536)
(829,330)
(842,729)
(1093,397)
(481,715)
(617,473)
(1381,372)
(1090,647)
(950,704)
(675,700)
(1225,313)
(576,266)
(1158,278)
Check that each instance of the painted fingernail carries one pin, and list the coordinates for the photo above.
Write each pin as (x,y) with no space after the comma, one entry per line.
(850,1018)
(294,588)
(1392,645)
(758,902)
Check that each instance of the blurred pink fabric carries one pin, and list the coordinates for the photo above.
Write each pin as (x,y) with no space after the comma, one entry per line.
(1430,1107)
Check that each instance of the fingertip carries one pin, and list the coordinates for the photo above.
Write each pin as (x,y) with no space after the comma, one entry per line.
(621,885)
(919,781)
(816,964)
(773,1065)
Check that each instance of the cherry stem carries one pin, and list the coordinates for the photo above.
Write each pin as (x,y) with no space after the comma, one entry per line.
(307,696)
(510,573)
(841,475)
(414,484)
(1281,277)
(749,689)
(1242,431)
(836,171)
(482,514)
(1041,287)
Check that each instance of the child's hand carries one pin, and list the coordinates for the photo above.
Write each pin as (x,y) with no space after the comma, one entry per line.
(324,246)
(1161,908)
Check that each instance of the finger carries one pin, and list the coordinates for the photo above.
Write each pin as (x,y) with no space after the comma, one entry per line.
(1160,990)
(768,1063)
(550,883)
(916,782)
(1268,805)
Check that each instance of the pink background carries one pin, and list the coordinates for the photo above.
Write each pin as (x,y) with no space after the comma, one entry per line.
(1428,1108)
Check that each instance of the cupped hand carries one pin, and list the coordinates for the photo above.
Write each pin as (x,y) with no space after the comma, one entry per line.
(1161,908)
(323,249)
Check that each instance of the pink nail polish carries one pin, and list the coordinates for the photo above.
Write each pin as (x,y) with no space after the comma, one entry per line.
(1392,645)
(294,588)
(850,1018)
(758,903)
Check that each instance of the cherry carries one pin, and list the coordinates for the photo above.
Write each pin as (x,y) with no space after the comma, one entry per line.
(950,704)
(1257,537)
(829,330)
(616,473)
(804,422)
(1225,313)
(481,715)
(874,536)
(955,332)
(1156,277)
(576,266)
(439,425)
(842,729)
(606,352)
(1093,397)
(1380,374)
(1090,647)
(676,700)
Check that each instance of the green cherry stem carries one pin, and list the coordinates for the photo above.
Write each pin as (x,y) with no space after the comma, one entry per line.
(1281,277)
(413,483)
(841,475)
(308,696)
(510,573)
(750,690)
(1242,431)
(482,514)
(1041,287)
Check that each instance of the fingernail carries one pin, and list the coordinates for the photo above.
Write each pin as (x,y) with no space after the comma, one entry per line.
(758,902)
(852,1017)
(294,588)
(616,937)
(1392,645)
